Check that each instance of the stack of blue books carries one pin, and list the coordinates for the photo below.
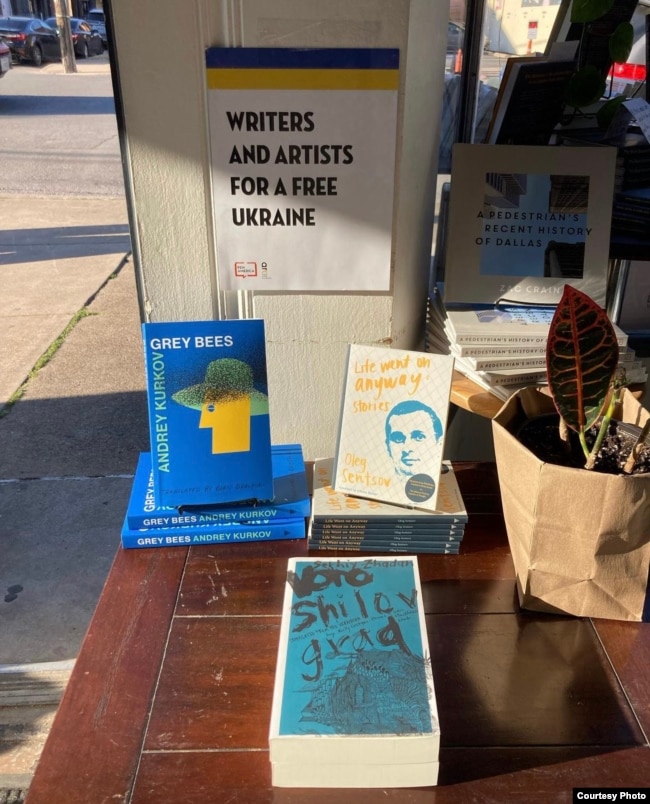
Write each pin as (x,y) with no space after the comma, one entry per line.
(147,524)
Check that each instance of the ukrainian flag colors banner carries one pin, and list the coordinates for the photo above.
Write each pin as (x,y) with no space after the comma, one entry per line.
(302,148)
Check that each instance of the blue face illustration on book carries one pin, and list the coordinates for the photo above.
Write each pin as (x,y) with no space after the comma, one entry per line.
(413,431)
(226,400)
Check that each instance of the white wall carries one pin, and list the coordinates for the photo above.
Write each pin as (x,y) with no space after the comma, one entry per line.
(160,61)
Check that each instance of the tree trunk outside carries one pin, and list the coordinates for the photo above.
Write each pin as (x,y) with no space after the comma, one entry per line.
(67,48)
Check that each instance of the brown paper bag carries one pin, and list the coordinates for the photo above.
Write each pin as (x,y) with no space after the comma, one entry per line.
(580,540)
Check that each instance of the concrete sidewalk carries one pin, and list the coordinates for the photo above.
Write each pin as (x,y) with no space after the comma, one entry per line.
(69,442)
(93,64)
(54,255)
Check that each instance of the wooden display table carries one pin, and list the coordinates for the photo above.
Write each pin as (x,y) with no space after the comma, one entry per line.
(170,698)
(470,396)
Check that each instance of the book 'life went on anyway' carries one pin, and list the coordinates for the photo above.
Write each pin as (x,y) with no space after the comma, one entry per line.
(208,411)
(392,425)
(354,703)
(342,522)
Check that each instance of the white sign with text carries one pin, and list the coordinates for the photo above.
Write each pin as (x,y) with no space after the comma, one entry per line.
(302,178)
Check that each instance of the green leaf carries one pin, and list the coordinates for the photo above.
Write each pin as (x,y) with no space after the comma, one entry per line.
(620,42)
(585,87)
(607,111)
(589,10)
(581,358)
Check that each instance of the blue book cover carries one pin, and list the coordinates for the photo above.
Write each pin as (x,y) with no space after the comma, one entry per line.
(290,497)
(382,546)
(435,534)
(439,532)
(215,534)
(208,411)
(353,677)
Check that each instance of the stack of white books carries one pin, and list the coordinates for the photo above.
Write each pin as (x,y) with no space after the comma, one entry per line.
(523,221)
(503,348)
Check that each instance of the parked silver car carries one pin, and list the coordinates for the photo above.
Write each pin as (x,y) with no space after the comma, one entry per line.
(97,21)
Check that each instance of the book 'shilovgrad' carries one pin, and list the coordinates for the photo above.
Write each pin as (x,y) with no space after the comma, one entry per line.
(354,702)
(208,411)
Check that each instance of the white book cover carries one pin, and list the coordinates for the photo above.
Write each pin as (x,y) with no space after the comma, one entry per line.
(490,350)
(525,220)
(354,703)
(501,363)
(504,326)
(500,325)
(534,376)
(532,362)
(392,425)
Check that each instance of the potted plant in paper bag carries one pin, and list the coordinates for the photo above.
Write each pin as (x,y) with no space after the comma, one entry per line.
(576,493)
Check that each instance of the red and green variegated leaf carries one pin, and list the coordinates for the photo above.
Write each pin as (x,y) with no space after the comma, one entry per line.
(581,358)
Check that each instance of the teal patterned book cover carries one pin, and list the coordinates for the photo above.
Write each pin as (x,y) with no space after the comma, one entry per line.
(354,688)
(208,411)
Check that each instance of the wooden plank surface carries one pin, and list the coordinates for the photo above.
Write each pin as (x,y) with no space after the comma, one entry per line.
(94,743)
(170,698)
(470,396)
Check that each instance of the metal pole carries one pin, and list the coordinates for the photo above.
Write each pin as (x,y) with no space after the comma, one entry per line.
(65,36)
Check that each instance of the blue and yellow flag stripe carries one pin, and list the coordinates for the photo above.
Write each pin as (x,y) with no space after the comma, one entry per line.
(294,68)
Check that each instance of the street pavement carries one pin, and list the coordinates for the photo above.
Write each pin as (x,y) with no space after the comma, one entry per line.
(71,428)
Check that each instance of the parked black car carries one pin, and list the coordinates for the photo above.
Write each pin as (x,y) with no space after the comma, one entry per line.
(30,39)
(85,40)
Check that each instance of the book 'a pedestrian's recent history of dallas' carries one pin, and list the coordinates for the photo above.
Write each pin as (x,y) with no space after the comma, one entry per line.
(525,220)
(392,425)
(208,411)
(354,702)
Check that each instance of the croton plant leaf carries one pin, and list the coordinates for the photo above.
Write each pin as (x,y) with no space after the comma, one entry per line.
(581,358)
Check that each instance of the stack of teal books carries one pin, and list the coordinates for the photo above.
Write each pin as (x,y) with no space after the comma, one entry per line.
(147,524)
